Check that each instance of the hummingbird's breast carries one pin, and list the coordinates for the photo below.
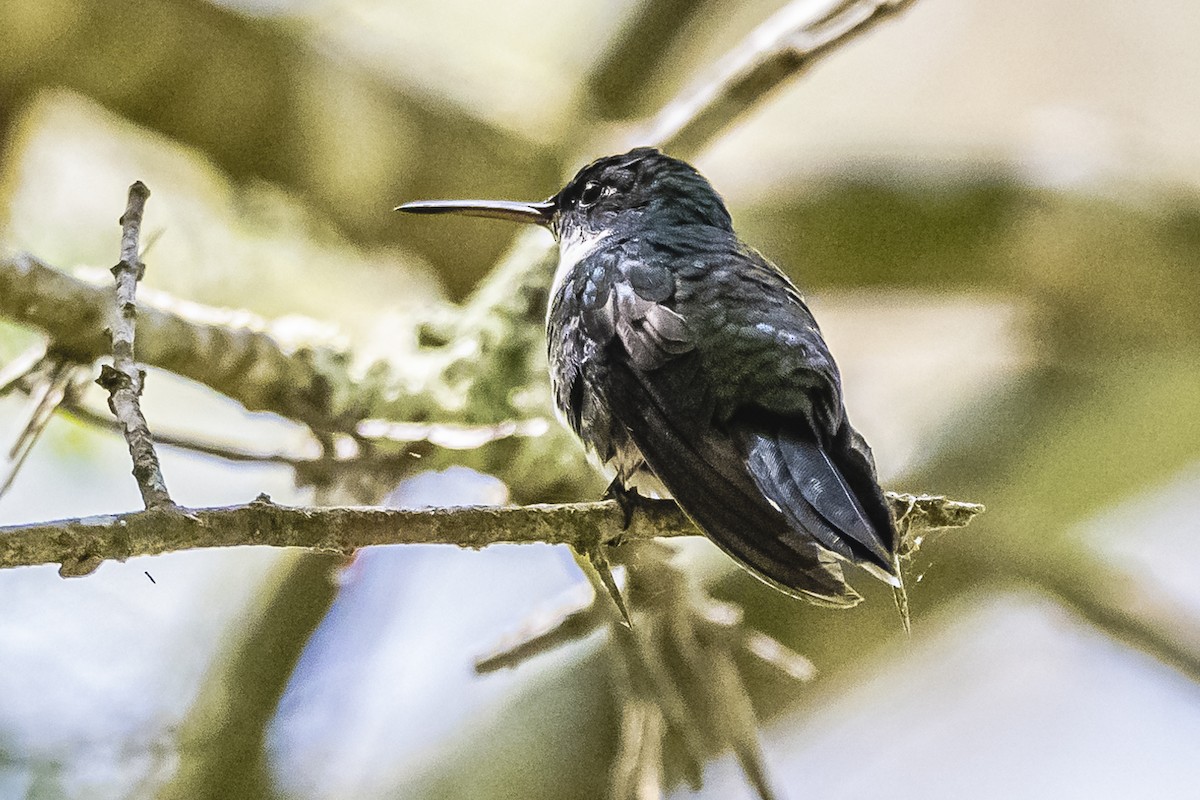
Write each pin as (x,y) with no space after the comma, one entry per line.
(580,334)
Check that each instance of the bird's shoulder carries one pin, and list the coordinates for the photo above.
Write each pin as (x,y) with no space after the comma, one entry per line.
(703,290)
(757,336)
(625,291)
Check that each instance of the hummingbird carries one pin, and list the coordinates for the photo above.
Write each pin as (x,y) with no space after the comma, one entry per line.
(690,367)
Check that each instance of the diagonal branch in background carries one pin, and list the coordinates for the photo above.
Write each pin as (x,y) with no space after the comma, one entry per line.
(781,48)
(627,77)
(124,380)
(80,545)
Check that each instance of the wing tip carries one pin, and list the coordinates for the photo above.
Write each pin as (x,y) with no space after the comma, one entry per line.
(843,596)
(888,576)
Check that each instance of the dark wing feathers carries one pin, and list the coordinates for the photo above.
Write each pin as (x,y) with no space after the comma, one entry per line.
(650,332)
(857,465)
(706,475)
(726,384)
(799,476)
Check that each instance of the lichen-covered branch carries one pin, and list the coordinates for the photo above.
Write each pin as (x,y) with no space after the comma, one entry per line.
(300,376)
(307,372)
(80,545)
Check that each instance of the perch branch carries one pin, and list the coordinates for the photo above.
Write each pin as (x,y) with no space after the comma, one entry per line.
(80,545)
(124,380)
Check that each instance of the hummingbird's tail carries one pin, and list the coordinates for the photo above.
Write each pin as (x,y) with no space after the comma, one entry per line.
(707,473)
(803,479)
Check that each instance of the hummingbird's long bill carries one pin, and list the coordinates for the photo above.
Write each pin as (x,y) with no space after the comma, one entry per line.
(535,213)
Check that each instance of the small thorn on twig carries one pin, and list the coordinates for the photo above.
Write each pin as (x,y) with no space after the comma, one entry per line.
(596,567)
(604,569)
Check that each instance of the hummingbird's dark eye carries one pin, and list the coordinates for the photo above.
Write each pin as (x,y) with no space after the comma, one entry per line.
(592,192)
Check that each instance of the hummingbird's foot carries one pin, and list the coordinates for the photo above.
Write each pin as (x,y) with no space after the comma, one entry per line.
(627,499)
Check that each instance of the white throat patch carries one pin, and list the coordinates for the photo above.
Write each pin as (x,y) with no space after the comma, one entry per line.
(571,250)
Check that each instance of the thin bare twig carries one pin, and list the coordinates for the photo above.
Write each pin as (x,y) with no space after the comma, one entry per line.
(14,374)
(584,526)
(82,413)
(124,379)
(568,622)
(50,382)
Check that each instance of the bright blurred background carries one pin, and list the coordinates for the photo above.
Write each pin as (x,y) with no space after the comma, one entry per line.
(994,208)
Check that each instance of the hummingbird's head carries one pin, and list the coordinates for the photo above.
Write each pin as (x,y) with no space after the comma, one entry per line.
(641,187)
